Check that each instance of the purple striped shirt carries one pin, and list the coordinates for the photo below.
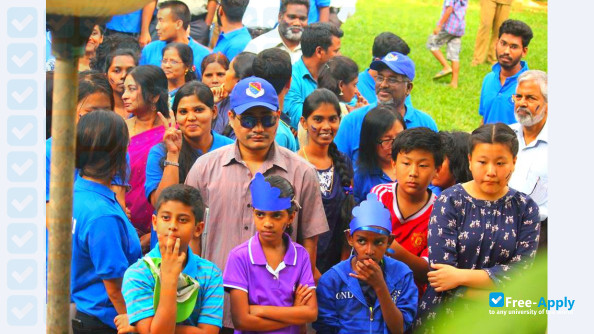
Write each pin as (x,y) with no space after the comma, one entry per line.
(455,24)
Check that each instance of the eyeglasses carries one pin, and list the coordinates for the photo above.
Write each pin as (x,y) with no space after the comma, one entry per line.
(386,143)
(379,79)
(249,122)
(170,61)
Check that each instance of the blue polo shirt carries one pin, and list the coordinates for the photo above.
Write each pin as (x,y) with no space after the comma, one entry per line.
(152,54)
(302,84)
(128,23)
(138,286)
(314,6)
(284,137)
(366,87)
(349,133)
(496,100)
(232,43)
(154,167)
(104,245)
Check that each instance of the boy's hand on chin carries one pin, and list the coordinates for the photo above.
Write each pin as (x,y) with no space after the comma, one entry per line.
(172,260)
(370,272)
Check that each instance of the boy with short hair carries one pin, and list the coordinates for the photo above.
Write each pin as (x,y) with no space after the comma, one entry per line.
(369,291)
(171,288)
(449,30)
(417,156)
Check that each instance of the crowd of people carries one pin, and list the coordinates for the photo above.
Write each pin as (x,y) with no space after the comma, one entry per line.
(249,178)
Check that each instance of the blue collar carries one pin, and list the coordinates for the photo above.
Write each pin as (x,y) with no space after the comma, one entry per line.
(301,70)
(497,69)
(191,268)
(83,184)
(233,33)
(257,253)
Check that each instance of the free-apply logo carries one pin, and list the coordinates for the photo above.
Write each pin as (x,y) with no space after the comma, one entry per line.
(496,299)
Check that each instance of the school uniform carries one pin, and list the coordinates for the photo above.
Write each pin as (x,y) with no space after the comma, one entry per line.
(233,42)
(104,245)
(247,270)
(343,305)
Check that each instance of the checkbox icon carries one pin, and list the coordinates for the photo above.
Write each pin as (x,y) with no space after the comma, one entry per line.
(22,202)
(496,299)
(22,58)
(22,166)
(22,94)
(21,310)
(21,130)
(22,274)
(21,238)
(22,22)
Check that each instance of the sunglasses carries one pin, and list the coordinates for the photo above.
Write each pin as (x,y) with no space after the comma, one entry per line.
(250,122)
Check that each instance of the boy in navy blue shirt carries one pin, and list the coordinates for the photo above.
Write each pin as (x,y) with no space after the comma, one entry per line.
(369,291)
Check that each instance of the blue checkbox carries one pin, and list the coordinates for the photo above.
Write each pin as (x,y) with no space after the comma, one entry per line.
(22,22)
(22,58)
(22,202)
(21,238)
(21,310)
(22,166)
(496,299)
(21,130)
(22,94)
(21,274)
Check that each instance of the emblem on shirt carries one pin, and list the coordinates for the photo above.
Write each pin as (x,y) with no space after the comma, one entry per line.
(344,295)
(391,57)
(254,90)
(418,239)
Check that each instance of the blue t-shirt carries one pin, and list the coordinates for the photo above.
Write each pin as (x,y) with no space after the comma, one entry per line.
(314,7)
(104,245)
(232,43)
(302,84)
(496,103)
(349,133)
(366,87)
(363,181)
(152,54)
(284,137)
(128,23)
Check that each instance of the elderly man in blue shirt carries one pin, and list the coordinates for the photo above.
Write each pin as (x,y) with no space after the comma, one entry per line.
(234,36)
(393,84)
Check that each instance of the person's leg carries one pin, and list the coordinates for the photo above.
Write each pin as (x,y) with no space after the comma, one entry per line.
(199,31)
(453,53)
(482,36)
(501,14)
(434,44)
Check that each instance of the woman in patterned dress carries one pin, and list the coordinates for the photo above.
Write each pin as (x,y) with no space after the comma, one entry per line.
(321,117)
(481,232)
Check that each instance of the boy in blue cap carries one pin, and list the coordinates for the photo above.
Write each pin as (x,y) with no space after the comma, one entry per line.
(370,291)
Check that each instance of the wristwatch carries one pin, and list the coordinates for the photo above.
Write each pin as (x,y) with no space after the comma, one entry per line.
(170,163)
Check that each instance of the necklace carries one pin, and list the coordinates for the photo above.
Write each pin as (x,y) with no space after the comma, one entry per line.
(325,177)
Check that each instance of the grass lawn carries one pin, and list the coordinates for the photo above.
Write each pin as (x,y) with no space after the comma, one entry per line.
(414,20)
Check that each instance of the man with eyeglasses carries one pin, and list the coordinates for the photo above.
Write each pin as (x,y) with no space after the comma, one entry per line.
(496,104)
(530,175)
(223,176)
(393,84)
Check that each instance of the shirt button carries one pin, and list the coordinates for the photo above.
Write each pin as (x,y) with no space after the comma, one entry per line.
(274,277)
(245,227)
(249,205)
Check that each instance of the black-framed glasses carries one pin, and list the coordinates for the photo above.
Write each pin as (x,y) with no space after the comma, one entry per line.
(386,143)
(379,79)
(249,122)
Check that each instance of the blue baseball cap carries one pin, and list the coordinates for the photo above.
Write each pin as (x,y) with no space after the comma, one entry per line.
(253,92)
(397,62)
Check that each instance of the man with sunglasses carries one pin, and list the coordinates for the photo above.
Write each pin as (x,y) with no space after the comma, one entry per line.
(393,84)
(223,177)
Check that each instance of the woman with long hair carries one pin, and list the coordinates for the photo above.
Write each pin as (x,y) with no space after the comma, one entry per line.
(178,65)
(340,75)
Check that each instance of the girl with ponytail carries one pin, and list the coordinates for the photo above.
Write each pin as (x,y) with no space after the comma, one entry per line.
(321,118)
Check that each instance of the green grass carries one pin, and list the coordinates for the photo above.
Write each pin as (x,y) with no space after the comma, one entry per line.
(414,20)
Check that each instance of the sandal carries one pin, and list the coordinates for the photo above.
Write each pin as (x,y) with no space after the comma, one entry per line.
(442,74)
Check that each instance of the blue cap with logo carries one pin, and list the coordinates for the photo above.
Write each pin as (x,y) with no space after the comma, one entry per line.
(397,62)
(253,92)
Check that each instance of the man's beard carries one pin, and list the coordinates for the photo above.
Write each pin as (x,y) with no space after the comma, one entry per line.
(288,33)
(511,65)
(528,119)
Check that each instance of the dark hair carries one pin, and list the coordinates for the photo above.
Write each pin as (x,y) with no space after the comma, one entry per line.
(517,28)
(337,69)
(387,42)
(274,66)
(420,138)
(318,34)
(179,10)
(113,45)
(187,56)
(285,3)
(234,9)
(494,133)
(286,191)
(101,143)
(455,148)
(90,82)
(188,155)
(152,82)
(312,102)
(243,65)
(49,98)
(186,195)
(377,121)
(218,58)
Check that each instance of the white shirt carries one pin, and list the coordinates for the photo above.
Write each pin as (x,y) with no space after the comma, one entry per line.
(531,173)
(272,39)
(261,14)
